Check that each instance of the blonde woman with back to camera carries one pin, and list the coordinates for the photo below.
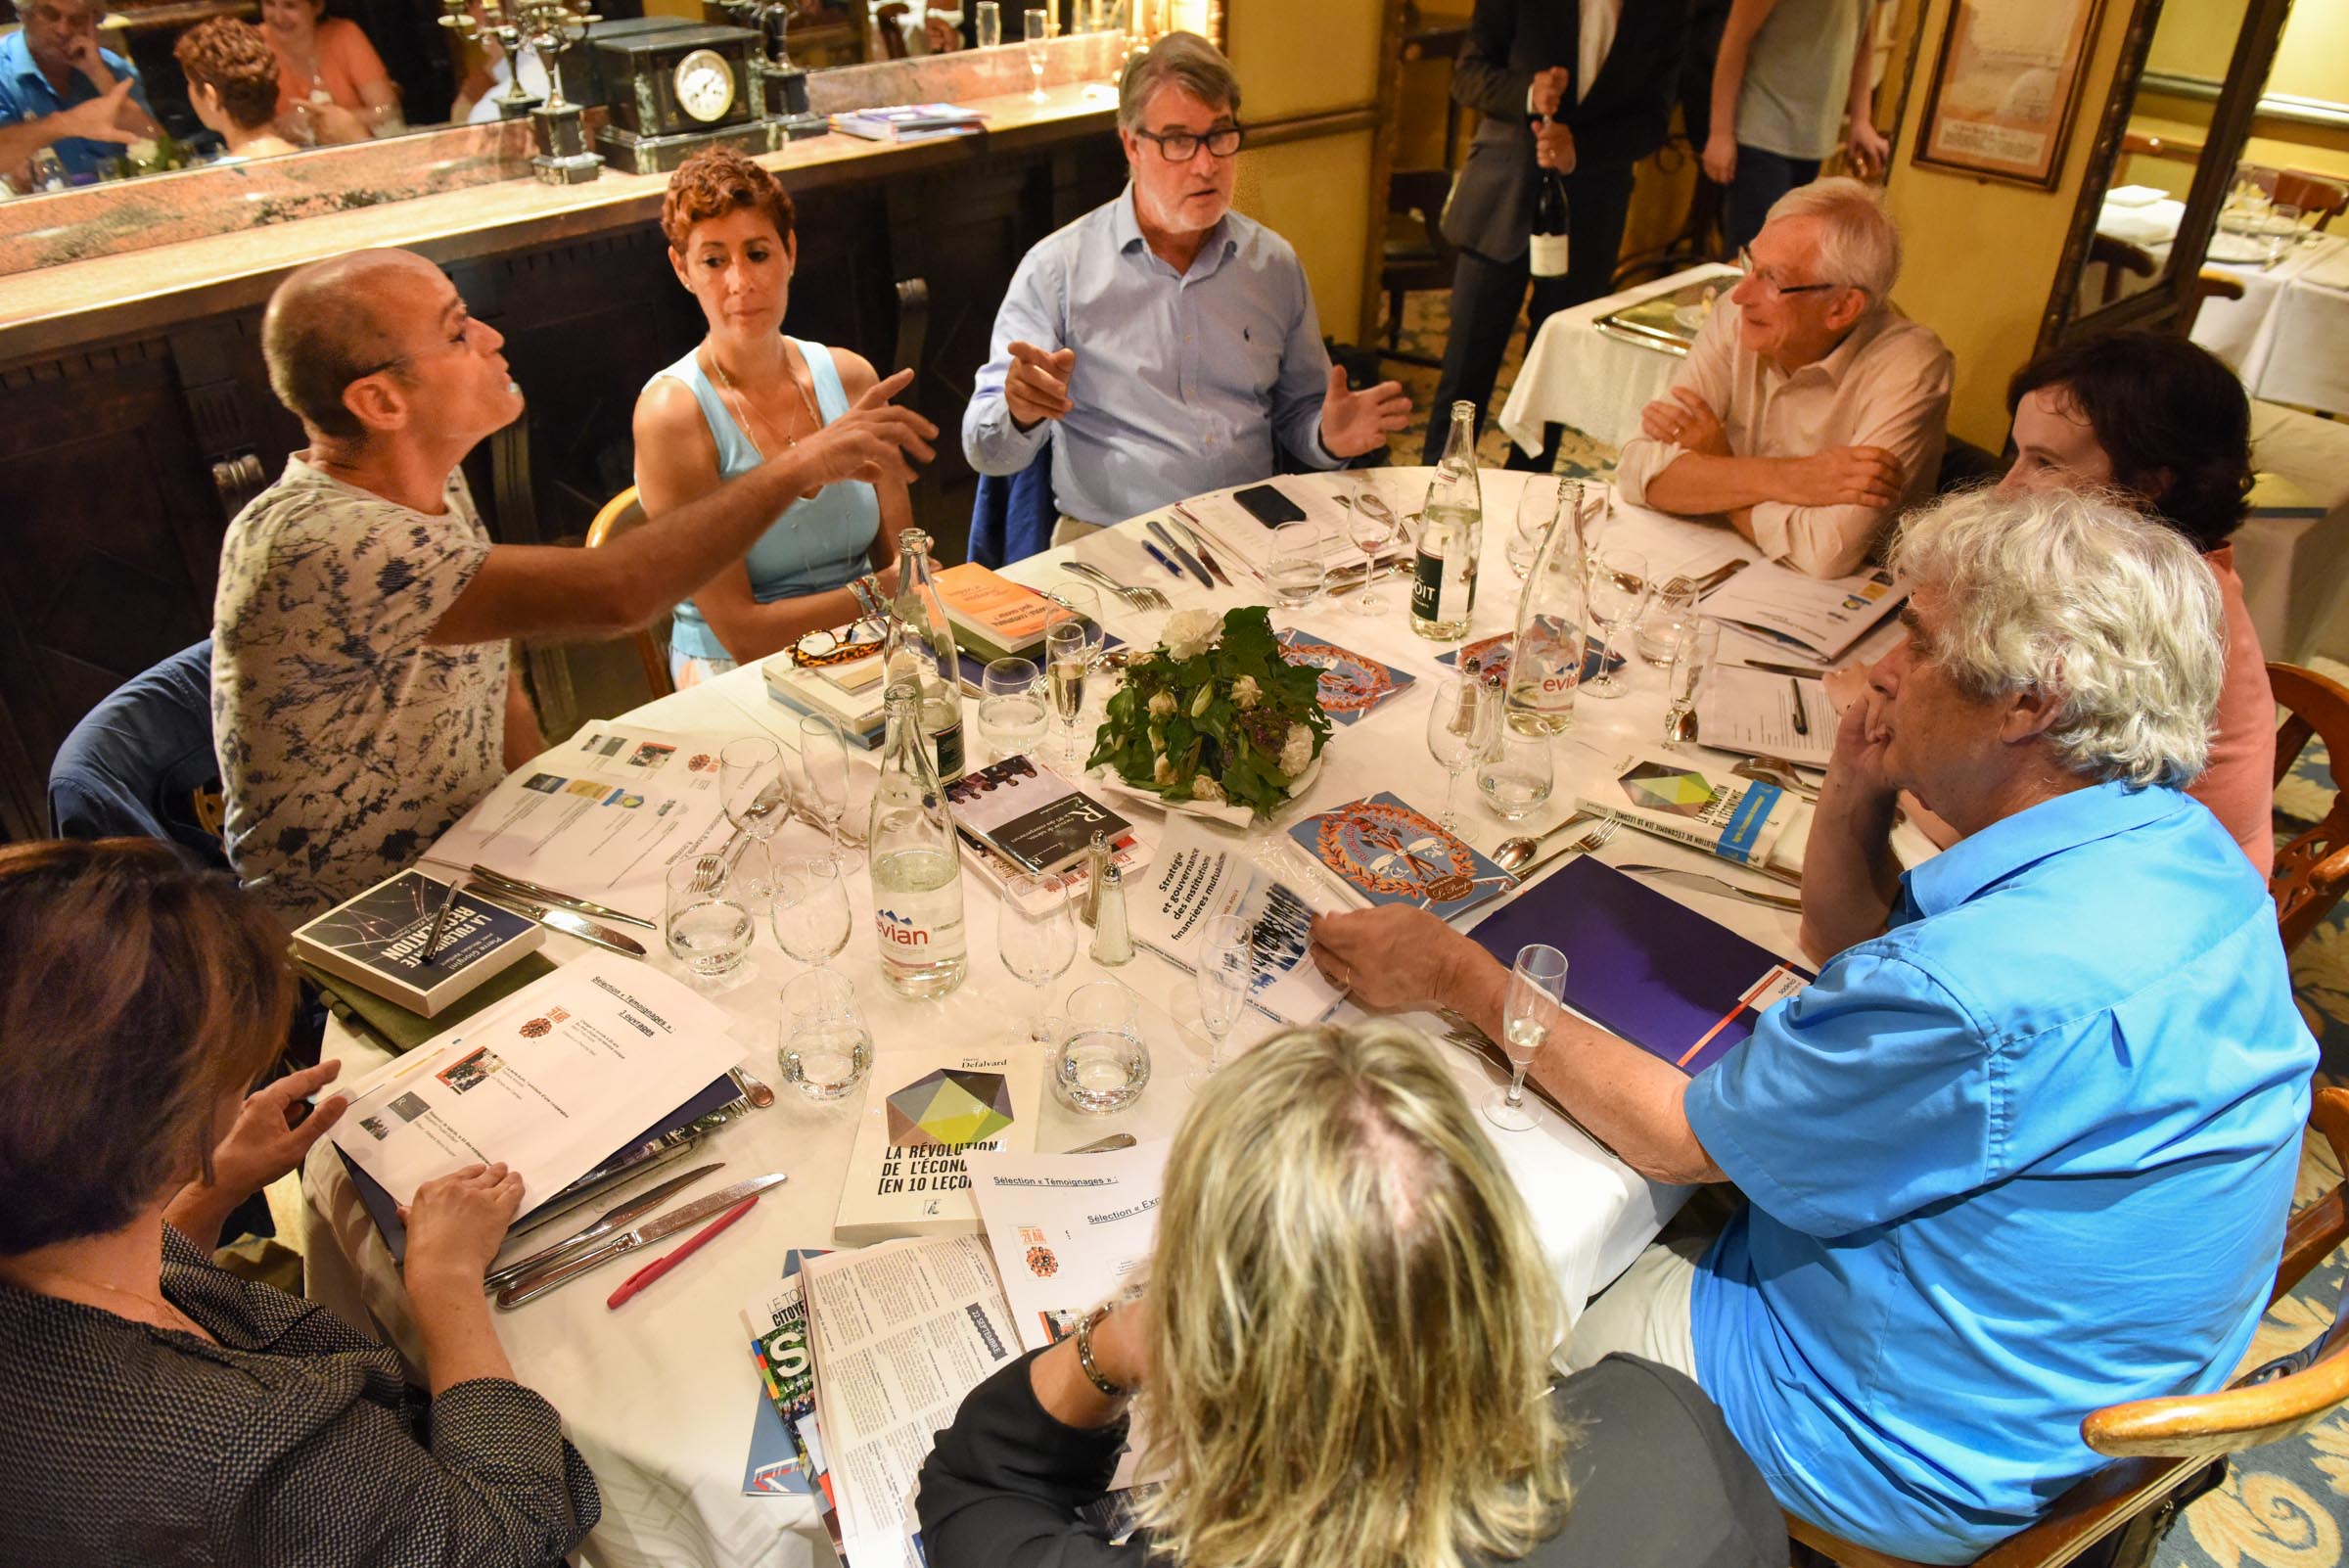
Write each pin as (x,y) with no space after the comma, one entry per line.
(1342,1357)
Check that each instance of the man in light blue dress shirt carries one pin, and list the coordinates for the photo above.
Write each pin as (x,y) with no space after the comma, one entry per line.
(1162,343)
(2026,1146)
(59,89)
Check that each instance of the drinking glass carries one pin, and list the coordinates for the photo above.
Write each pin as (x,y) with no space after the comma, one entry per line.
(1223,973)
(1691,657)
(1537,985)
(1011,708)
(1295,568)
(1517,777)
(990,23)
(1461,723)
(1036,937)
(1370,524)
(1035,28)
(754,789)
(1662,621)
(1537,509)
(1101,1064)
(1618,589)
(824,765)
(810,909)
(1066,658)
(708,925)
(826,1049)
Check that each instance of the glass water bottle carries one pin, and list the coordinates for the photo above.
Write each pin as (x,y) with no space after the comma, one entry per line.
(1443,581)
(1545,658)
(916,860)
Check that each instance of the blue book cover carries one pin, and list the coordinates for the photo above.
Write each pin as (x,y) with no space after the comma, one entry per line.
(1644,965)
(1352,683)
(1389,852)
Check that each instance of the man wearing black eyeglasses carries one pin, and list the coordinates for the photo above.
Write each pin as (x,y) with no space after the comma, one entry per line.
(1164,344)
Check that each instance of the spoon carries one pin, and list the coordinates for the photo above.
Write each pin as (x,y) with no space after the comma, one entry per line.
(1515,853)
(757,1092)
(1775,770)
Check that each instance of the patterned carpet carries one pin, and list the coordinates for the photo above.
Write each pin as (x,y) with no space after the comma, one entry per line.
(2285,1506)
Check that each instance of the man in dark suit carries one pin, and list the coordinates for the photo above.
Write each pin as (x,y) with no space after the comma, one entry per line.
(1609,105)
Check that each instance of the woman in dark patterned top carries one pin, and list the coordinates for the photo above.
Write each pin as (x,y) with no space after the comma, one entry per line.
(163,1411)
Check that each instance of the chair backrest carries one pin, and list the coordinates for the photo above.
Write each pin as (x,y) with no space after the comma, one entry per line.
(140,764)
(620,514)
(2313,870)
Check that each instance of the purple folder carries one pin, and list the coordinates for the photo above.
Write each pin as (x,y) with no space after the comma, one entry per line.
(1646,966)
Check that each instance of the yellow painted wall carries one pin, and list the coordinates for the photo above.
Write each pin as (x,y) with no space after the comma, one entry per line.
(2311,61)
(1317,195)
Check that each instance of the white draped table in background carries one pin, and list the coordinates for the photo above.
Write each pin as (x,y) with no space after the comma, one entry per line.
(660,1395)
(2288,336)
(1575,374)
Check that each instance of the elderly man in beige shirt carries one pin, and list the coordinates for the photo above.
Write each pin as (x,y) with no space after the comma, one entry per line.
(1810,411)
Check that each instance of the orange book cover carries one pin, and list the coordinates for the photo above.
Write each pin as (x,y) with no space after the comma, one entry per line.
(998,607)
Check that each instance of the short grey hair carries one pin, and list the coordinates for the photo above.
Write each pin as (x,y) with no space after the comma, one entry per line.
(1179,60)
(1858,243)
(2075,593)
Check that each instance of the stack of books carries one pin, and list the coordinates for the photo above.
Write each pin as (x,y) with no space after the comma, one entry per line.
(910,122)
(993,617)
(848,694)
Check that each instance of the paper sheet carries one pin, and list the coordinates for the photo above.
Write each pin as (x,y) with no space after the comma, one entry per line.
(1825,615)
(1200,874)
(1068,1229)
(1752,711)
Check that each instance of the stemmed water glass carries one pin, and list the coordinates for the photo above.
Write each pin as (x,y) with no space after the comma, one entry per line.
(1370,524)
(1035,30)
(1036,937)
(1296,567)
(810,909)
(1537,509)
(1618,589)
(1461,727)
(1537,986)
(754,789)
(824,761)
(1223,974)
(1012,714)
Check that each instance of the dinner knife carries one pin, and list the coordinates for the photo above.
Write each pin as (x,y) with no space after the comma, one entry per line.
(1711,884)
(625,1214)
(1198,546)
(565,920)
(537,1283)
(1183,557)
(642,1161)
(532,890)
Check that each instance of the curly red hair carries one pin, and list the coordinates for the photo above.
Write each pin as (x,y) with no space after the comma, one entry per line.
(232,58)
(714,182)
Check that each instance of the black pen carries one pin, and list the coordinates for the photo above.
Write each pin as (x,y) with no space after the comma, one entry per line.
(432,938)
(1801,724)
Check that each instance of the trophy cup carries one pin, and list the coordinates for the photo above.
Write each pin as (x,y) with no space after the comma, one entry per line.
(547,27)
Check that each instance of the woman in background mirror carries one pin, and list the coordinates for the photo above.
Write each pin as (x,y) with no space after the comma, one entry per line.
(1343,1358)
(163,1411)
(331,87)
(744,395)
(232,86)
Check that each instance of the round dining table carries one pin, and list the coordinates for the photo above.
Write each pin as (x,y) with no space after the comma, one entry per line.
(660,1395)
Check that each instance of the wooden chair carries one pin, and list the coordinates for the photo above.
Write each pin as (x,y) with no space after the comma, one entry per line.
(2119,257)
(621,514)
(2161,1442)
(2313,870)
(2320,193)
(1417,257)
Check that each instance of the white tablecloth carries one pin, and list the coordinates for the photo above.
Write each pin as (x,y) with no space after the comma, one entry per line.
(2288,336)
(659,1395)
(1575,374)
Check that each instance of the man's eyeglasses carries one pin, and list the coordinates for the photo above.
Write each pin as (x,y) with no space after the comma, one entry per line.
(1181,147)
(1778,290)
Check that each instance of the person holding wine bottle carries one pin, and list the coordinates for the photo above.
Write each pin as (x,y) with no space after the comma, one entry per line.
(1573,96)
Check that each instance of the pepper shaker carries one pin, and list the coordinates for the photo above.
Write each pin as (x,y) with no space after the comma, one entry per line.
(1096,866)
(1113,939)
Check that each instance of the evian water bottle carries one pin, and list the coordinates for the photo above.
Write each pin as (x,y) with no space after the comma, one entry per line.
(916,860)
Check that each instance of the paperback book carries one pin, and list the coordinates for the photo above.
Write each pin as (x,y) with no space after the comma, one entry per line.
(862,715)
(910,122)
(1698,802)
(1029,815)
(1388,852)
(780,1461)
(923,1111)
(993,617)
(377,940)
(1352,683)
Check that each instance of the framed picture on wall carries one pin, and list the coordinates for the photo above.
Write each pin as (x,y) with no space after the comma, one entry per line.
(2006,87)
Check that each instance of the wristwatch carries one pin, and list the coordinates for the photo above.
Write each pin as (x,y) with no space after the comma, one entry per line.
(1084,1352)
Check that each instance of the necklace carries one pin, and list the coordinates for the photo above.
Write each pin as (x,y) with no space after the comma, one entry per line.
(179,1318)
(740,406)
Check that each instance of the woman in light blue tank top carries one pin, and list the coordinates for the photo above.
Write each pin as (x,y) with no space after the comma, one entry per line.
(747,394)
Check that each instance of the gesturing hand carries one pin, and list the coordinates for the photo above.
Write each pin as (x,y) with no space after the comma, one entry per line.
(274,1129)
(1685,419)
(874,440)
(458,1223)
(1357,422)
(1848,475)
(1037,386)
(97,119)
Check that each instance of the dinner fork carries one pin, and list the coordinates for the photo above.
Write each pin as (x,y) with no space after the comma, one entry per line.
(711,869)
(1146,599)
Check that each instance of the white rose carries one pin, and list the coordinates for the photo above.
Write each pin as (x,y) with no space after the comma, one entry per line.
(1246,692)
(1205,787)
(1296,752)
(1161,704)
(1189,633)
(1163,771)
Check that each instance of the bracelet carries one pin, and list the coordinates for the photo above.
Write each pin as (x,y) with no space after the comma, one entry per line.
(1084,1352)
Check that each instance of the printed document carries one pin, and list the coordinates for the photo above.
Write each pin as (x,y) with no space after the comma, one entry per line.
(1069,1231)
(1200,874)
(1753,710)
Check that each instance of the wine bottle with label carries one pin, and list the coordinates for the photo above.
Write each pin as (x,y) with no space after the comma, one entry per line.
(1549,248)
(1443,581)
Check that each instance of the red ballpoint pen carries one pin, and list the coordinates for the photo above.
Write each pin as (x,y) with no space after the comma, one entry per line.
(662,1265)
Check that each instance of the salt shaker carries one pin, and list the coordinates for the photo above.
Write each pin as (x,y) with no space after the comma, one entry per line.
(1113,939)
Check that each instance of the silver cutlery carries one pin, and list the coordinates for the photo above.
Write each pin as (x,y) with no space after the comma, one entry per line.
(1381,571)
(543,895)
(1144,599)
(1704,883)
(1706,582)
(753,1087)
(710,868)
(1190,536)
(1589,844)
(570,921)
(1775,770)
(642,1161)
(1183,557)
(562,1271)
(1116,1140)
(625,1215)
(1514,853)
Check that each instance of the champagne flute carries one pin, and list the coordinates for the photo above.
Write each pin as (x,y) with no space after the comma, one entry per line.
(1295,570)
(809,910)
(1036,938)
(990,23)
(1461,723)
(1370,524)
(1037,29)
(755,790)
(1066,658)
(1223,974)
(824,761)
(1537,986)
(1618,589)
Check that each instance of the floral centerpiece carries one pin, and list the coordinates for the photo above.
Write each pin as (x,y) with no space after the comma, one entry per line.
(1215,713)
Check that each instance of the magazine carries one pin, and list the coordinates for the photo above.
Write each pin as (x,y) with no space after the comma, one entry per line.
(1352,683)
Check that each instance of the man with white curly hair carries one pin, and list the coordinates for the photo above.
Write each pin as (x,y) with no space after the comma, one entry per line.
(2026,1146)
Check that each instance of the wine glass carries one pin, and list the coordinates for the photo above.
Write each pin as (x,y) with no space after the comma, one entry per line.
(755,790)
(1068,654)
(990,23)
(1223,974)
(810,909)
(824,761)
(1036,938)
(1035,28)
(1537,509)
(1295,568)
(1691,657)
(1461,727)
(1012,714)
(1370,524)
(1619,588)
(826,1049)
(1537,986)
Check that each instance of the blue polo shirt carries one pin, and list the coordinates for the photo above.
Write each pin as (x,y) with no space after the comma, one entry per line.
(2028,1153)
(26,94)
